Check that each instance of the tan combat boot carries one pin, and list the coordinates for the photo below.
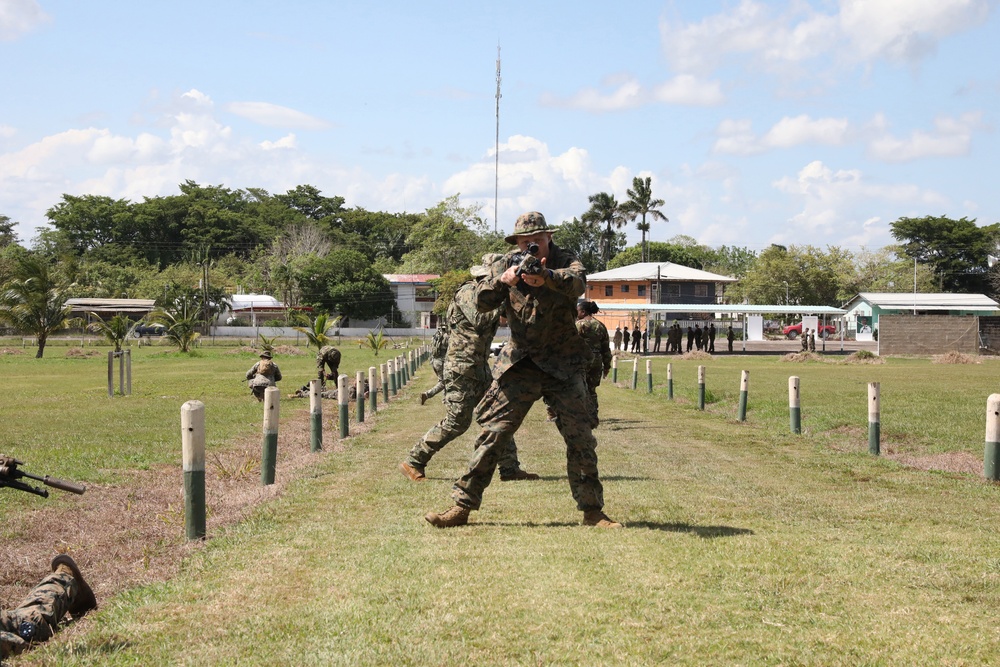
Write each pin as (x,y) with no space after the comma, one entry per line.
(85,599)
(600,519)
(413,472)
(456,516)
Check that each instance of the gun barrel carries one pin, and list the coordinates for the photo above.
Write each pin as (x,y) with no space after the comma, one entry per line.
(63,485)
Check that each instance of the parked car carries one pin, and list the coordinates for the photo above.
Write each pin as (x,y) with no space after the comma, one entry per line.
(793,331)
(149,330)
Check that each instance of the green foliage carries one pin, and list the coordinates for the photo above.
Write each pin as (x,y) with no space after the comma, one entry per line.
(318,330)
(605,210)
(446,286)
(32,301)
(181,318)
(376,341)
(344,282)
(7,234)
(446,239)
(658,252)
(957,250)
(267,344)
(641,204)
(116,330)
(583,239)
(810,275)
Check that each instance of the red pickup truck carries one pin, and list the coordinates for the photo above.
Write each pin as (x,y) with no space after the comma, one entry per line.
(793,331)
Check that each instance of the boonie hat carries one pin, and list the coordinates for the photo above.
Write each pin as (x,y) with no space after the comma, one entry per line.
(265,355)
(483,270)
(527,224)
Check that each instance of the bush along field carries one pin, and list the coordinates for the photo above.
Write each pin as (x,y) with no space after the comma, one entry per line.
(745,543)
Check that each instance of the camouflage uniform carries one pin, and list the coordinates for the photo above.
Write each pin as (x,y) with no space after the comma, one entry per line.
(596,334)
(265,373)
(328,355)
(546,358)
(44,607)
(466,379)
(439,350)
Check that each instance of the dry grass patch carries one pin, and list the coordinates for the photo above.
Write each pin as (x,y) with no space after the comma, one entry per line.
(10,350)
(80,353)
(802,357)
(695,355)
(960,462)
(955,358)
(863,357)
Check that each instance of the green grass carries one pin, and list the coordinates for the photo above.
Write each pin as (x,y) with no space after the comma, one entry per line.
(744,544)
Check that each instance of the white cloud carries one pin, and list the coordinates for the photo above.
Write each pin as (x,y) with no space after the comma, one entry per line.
(737,137)
(760,36)
(841,202)
(683,89)
(6,131)
(951,137)
(274,115)
(18,17)
(287,141)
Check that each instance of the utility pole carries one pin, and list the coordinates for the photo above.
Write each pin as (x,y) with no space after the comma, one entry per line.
(496,150)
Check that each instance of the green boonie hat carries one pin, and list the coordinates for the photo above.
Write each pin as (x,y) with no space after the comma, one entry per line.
(528,223)
(265,355)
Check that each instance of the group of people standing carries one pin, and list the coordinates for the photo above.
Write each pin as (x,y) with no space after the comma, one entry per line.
(698,337)
(637,341)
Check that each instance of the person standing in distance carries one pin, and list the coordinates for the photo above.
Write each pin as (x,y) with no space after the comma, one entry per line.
(596,334)
(545,358)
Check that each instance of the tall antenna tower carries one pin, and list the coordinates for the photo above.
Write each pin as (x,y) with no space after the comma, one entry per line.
(496,150)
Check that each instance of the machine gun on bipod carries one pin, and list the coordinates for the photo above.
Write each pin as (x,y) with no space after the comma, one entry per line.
(10,476)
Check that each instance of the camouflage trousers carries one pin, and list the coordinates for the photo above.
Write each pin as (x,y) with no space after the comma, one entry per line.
(593,379)
(438,366)
(461,396)
(501,413)
(44,607)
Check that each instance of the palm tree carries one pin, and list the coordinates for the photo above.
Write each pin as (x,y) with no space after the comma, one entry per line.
(376,340)
(116,330)
(605,209)
(641,203)
(182,320)
(33,302)
(316,332)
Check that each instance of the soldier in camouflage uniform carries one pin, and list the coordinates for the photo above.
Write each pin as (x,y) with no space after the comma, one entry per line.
(596,334)
(466,378)
(546,357)
(328,356)
(37,617)
(439,350)
(265,373)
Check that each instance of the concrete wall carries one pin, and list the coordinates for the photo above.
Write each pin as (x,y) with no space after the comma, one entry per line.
(928,334)
(989,332)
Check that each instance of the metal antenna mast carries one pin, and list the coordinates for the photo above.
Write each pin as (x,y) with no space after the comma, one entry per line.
(496,150)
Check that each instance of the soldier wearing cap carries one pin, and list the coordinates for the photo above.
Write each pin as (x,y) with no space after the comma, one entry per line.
(327,357)
(546,358)
(265,373)
(39,614)
(466,377)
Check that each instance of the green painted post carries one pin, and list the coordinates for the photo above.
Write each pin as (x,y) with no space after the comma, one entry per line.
(391,364)
(794,410)
(269,450)
(397,363)
(315,416)
(991,468)
(413,363)
(670,382)
(193,455)
(406,369)
(701,387)
(635,373)
(384,383)
(744,392)
(874,419)
(649,376)
(342,406)
(614,369)
(372,390)
(359,387)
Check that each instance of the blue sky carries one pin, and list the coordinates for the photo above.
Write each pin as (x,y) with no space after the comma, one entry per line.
(799,121)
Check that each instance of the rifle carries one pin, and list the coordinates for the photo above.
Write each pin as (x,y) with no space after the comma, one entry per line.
(10,474)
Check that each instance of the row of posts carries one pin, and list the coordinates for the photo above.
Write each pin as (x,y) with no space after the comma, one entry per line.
(392,377)
(991,456)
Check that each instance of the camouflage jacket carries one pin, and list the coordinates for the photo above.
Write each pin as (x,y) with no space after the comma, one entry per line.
(542,319)
(596,334)
(470,333)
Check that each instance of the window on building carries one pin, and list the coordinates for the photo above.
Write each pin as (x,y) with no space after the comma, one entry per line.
(624,289)
(640,290)
(672,291)
(701,290)
(609,290)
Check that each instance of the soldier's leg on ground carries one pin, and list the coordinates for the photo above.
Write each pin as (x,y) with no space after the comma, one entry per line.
(569,399)
(460,398)
(38,615)
(500,413)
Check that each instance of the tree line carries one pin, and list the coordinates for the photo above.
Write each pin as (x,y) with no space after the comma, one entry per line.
(199,246)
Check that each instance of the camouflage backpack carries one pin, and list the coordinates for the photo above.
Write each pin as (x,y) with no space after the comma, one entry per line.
(439,344)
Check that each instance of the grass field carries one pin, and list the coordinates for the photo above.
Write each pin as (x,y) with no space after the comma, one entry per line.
(745,544)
